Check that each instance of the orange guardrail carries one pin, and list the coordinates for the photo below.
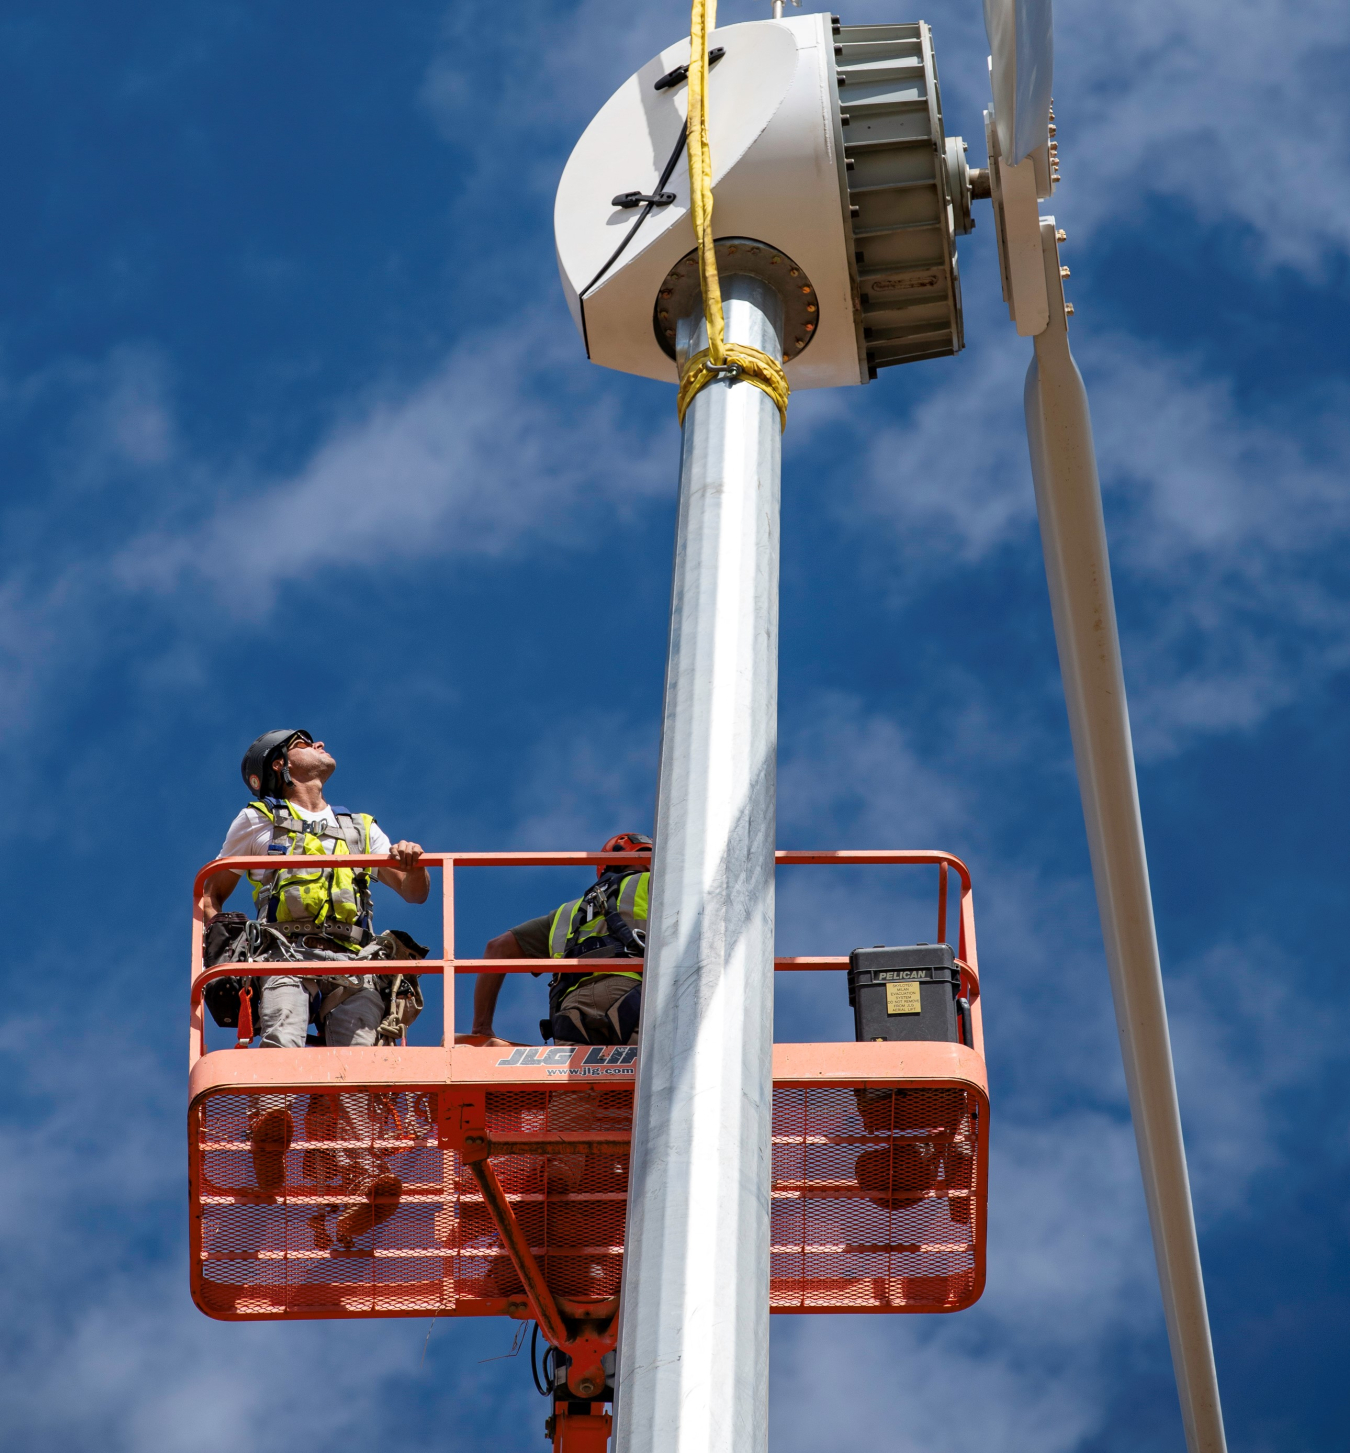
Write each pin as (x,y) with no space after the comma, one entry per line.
(946,864)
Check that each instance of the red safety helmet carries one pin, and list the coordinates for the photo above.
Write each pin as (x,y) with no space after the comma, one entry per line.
(624,842)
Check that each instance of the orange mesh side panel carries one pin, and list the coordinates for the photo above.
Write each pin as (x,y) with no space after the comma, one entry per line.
(875,1203)
(257,1254)
(571,1207)
(261,1255)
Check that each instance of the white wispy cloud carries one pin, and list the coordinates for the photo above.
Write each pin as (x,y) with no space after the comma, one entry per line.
(1220,110)
(1219,520)
(1246,1049)
(1071,1279)
(497,450)
(102,1346)
(1071,1273)
(506,447)
(1214,107)
(509,443)
(587,780)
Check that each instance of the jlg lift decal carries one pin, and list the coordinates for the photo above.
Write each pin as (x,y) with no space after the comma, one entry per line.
(597,1060)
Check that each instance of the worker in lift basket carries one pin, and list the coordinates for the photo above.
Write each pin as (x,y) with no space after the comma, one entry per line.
(315,916)
(609,921)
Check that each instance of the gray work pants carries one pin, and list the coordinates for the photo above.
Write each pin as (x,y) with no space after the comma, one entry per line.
(351,1163)
(284,1016)
(284,1013)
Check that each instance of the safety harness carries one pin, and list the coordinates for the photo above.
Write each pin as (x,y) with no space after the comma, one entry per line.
(343,904)
(233,938)
(577,931)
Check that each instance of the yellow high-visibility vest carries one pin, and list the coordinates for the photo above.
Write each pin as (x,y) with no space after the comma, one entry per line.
(318,895)
(632,908)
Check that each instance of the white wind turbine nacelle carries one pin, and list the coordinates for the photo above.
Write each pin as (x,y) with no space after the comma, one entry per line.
(829,154)
(1023,166)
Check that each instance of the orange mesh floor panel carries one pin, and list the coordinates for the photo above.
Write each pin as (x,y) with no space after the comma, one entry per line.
(878,1202)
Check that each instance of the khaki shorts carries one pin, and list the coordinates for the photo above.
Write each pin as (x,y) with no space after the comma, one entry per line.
(592,1012)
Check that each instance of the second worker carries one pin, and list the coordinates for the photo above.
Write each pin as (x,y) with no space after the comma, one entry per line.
(609,921)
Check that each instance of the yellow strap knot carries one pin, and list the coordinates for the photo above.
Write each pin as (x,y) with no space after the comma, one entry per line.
(742,363)
(719,359)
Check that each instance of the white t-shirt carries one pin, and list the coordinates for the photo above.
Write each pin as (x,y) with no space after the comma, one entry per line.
(250,833)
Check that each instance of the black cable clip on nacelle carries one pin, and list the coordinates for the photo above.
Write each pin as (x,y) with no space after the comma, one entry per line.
(660,197)
(671,78)
(638,199)
(680,73)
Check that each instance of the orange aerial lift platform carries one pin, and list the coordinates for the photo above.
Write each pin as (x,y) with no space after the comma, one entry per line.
(514,1162)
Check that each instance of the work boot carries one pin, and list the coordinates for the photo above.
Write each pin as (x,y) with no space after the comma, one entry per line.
(563,1173)
(381,1201)
(317,1165)
(270,1136)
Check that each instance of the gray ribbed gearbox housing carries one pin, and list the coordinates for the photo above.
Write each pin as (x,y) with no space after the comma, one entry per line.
(908,194)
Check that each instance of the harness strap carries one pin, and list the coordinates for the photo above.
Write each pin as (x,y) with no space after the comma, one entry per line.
(633,939)
(603,900)
(285,826)
(306,827)
(352,834)
(300,927)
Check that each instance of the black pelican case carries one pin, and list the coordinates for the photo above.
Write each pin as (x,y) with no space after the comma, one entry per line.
(912,992)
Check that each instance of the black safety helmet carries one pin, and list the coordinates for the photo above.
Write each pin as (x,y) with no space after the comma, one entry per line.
(623,842)
(266,766)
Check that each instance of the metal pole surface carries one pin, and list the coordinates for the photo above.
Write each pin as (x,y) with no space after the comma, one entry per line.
(693,1374)
(1073,534)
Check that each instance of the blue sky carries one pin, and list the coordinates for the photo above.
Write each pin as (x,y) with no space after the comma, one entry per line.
(296,429)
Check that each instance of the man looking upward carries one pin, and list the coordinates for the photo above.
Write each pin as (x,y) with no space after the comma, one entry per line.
(325,908)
